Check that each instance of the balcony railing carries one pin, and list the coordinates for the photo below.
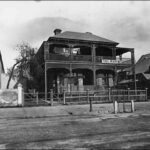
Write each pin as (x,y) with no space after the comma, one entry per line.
(82,58)
(87,58)
(57,57)
(68,58)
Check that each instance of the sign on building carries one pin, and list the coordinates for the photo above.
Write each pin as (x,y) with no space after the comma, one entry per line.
(108,61)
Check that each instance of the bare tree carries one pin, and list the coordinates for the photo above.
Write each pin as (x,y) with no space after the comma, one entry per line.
(26,52)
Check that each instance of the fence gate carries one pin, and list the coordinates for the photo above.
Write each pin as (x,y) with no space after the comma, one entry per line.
(33,98)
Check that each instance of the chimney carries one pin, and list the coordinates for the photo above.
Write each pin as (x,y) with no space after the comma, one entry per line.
(88,32)
(57,31)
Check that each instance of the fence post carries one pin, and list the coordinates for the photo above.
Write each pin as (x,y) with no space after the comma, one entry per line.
(124,107)
(115,107)
(146,94)
(91,105)
(64,97)
(37,98)
(51,96)
(20,95)
(109,96)
(87,95)
(128,94)
(132,105)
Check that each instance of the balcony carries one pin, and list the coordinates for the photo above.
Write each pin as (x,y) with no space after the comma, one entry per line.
(58,57)
(87,58)
(82,58)
(110,60)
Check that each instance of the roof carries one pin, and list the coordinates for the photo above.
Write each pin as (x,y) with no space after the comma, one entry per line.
(142,64)
(82,36)
(147,76)
(121,50)
(127,61)
(1,60)
(127,81)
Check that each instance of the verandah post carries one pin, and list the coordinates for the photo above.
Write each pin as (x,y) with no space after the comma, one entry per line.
(46,52)
(45,82)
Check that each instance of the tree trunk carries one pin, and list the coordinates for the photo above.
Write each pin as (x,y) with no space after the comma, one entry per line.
(7,87)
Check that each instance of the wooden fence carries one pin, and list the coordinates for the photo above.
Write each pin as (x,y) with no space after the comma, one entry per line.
(83,97)
(105,96)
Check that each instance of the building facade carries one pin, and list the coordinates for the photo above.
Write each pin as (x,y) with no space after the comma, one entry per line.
(142,73)
(76,61)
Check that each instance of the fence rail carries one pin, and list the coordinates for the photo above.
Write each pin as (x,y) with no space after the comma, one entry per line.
(79,97)
(106,96)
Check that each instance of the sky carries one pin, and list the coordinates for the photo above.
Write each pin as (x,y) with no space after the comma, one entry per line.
(126,22)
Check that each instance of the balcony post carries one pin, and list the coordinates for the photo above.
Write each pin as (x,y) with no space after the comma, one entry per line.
(70,66)
(114,52)
(46,50)
(120,57)
(116,76)
(45,81)
(133,68)
(70,49)
(94,66)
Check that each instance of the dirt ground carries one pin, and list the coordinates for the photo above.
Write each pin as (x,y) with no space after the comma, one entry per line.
(74,127)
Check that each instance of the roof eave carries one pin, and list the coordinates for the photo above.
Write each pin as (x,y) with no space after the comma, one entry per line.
(100,42)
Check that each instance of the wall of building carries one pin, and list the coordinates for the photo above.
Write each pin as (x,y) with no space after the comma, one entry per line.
(8,97)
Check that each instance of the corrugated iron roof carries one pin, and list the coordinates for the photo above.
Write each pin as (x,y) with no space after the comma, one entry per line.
(121,50)
(147,76)
(143,64)
(126,81)
(82,36)
(127,61)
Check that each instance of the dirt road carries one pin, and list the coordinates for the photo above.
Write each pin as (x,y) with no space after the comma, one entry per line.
(122,131)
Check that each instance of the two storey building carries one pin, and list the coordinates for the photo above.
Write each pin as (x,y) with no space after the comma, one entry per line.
(79,61)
